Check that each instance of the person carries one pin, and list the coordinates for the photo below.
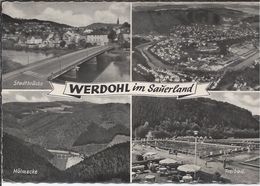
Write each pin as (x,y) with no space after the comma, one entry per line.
(150,164)
(206,163)
(224,163)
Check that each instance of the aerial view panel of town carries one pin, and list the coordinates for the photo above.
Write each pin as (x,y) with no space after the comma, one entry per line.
(184,42)
(57,41)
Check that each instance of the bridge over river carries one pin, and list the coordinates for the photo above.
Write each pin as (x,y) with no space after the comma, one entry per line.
(38,74)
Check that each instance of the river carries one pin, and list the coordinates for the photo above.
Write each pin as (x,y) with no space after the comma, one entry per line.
(25,57)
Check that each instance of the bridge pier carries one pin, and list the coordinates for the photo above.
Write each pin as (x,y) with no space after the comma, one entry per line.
(86,64)
(72,74)
(93,66)
(102,61)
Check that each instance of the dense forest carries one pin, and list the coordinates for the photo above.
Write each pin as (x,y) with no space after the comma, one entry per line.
(169,117)
(111,163)
(18,154)
(104,135)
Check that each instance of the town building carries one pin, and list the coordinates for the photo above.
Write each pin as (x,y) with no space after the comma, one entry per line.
(34,41)
(97,38)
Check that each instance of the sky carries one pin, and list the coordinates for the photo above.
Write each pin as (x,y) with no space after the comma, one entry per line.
(246,100)
(71,13)
(42,96)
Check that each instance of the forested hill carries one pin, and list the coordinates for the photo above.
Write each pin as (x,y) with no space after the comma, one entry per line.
(168,117)
(58,125)
(6,19)
(18,154)
(108,165)
(97,26)
(162,20)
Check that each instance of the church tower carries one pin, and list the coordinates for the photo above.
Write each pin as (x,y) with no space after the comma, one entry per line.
(117,22)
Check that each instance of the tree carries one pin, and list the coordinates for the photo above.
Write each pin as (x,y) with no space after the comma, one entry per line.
(139,157)
(125,44)
(72,46)
(216,176)
(195,126)
(125,25)
(142,130)
(62,44)
(161,134)
(112,35)
(82,43)
(89,45)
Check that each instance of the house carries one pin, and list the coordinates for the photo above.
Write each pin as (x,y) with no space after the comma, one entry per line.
(88,31)
(10,37)
(124,37)
(56,39)
(98,38)
(21,41)
(70,37)
(34,41)
(77,38)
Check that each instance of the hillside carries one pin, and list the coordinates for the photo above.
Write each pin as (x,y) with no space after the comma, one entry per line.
(105,135)
(257,117)
(169,117)
(98,26)
(57,125)
(6,19)
(18,154)
(118,139)
(162,20)
(110,164)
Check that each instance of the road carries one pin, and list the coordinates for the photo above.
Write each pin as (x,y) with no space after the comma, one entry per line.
(152,61)
(36,75)
(245,63)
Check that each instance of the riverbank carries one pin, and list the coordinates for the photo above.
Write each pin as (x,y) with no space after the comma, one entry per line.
(9,65)
(47,51)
